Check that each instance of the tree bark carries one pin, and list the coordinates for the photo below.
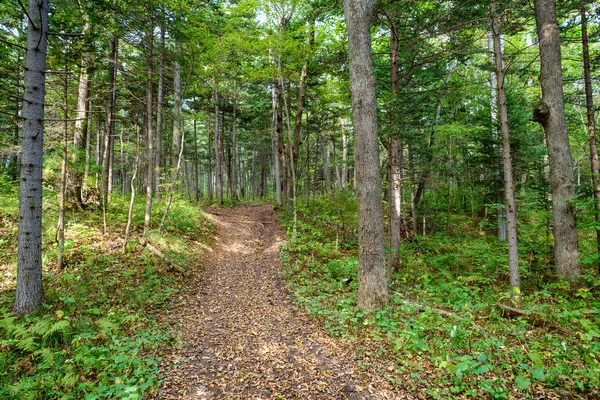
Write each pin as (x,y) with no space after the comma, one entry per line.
(149,131)
(159,113)
(218,166)
(325,156)
(589,100)
(373,283)
(509,190)
(551,115)
(177,132)
(275,143)
(500,217)
(30,292)
(233,168)
(209,178)
(395,176)
(109,128)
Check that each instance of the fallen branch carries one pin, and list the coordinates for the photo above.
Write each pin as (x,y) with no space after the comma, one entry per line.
(533,319)
(445,313)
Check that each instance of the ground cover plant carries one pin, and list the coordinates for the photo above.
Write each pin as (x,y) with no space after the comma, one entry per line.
(101,330)
(445,330)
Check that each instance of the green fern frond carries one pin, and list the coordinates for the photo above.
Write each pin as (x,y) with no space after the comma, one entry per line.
(7,322)
(47,355)
(106,325)
(27,344)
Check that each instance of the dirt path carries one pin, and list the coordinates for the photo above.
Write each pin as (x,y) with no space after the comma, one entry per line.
(243,338)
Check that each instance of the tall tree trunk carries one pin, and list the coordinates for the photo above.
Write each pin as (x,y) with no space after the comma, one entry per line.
(275,144)
(500,214)
(233,168)
(195,162)
(589,100)
(209,178)
(80,139)
(299,110)
(60,232)
(30,292)
(509,189)
(344,156)
(177,131)
(373,283)
(291,167)
(550,113)
(395,150)
(109,128)
(149,132)
(336,167)
(218,166)
(159,113)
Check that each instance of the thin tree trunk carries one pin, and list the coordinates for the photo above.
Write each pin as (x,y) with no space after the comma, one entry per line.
(209,186)
(344,156)
(233,172)
(275,138)
(325,156)
(195,163)
(372,272)
(500,213)
(177,131)
(60,232)
(291,168)
(109,126)
(30,292)
(159,114)
(86,170)
(149,132)
(509,190)
(338,176)
(218,166)
(395,176)
(132,184)
(173,181)
(550,113)
(589,100)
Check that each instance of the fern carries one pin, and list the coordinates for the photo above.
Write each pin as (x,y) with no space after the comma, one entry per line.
(28,344)
(107,326)
(47,355)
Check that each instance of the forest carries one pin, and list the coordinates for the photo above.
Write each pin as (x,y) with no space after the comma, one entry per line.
(267,199)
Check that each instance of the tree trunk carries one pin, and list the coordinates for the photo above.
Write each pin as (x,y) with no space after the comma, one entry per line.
(109,128)
(159,113)
(291,167)
(551,115)
(509,190)
(233,168)
(299,109)
(60,232)
(344,156)
(149,132)
(30,292)
(275,143)
(173,182)
(132,184)
(373,283)
(177,132)
(209,178)
(395,176)
(218,167)
(195,162)
(500,217)
(589,100)
(325,156)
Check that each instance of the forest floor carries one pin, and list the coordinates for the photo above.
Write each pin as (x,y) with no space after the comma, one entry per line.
(243,338)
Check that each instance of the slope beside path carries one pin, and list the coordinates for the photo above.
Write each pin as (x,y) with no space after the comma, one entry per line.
(242,338)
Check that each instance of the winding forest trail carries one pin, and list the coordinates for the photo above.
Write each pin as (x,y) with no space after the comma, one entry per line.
(243,338)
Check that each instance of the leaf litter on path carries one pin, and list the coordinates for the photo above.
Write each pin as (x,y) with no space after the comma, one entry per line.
(242,337)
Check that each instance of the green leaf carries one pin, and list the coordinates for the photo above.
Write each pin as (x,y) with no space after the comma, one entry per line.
(522,382)
(482,369)
(536,358)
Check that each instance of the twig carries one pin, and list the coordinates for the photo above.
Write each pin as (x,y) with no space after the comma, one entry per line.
(27,14)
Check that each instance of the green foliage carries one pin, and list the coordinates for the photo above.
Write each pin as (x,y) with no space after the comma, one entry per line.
(469,348)
(102,328)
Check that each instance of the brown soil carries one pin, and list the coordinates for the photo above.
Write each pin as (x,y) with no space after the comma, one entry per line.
(243,338)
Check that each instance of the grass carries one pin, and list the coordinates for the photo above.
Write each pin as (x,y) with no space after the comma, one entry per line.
(472,348)
(102,329)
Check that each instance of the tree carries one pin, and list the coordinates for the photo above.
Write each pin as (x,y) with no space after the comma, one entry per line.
(30,292)
(509,189)
(550,113)
(373,291)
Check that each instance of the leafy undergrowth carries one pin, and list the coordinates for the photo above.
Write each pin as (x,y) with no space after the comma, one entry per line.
(443,331)
(101,330)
